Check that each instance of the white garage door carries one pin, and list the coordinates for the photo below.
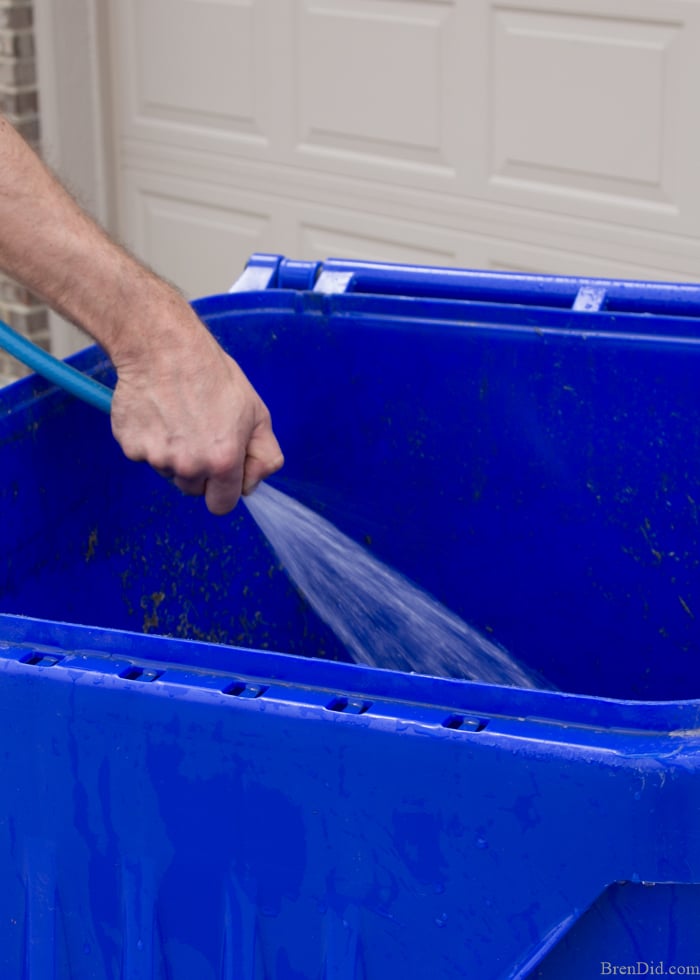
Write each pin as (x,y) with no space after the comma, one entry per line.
(560,136)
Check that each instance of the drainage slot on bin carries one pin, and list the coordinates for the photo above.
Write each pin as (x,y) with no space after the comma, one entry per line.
(465,723)
(143,674)
(351,706)
(240,690)
(38,659)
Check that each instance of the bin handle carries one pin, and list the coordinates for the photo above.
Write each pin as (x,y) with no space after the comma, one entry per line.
(58,372)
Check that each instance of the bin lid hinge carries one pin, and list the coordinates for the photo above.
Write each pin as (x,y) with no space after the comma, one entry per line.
(589,299)
(332,282)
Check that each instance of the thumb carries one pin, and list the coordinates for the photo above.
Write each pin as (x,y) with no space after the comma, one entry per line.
(263,457)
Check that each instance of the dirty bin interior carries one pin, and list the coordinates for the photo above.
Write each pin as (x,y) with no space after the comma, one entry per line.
(531,460)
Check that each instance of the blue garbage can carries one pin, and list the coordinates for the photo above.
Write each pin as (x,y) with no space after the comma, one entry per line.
(196,783)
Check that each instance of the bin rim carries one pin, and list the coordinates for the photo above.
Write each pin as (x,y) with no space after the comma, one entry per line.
(21,637)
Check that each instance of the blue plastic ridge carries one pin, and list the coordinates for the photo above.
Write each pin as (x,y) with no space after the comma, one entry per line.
(133,672)
(21,635)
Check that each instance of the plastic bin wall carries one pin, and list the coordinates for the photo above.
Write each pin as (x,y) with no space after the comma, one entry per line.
(195,785)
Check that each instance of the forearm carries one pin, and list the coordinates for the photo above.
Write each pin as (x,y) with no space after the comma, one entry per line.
(181,402)
(54,249)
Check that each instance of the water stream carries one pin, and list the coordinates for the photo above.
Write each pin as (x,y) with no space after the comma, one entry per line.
(381,617)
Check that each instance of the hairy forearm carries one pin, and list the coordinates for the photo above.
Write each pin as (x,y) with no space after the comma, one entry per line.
(180,402)
(54,249)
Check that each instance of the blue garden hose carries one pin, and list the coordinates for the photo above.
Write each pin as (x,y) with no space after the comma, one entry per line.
(61,374)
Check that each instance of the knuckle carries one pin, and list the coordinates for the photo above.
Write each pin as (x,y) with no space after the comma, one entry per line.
(133,449)
(187,468)
(223,458)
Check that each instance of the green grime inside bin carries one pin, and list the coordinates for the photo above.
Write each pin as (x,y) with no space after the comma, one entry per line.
(542,483)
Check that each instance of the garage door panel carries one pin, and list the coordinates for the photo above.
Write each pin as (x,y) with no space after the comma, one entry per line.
(193,72)
(609,127)
(196,235)
(590,108)
(372,80)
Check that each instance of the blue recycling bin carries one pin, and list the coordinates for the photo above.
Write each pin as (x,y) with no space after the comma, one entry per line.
(196,783)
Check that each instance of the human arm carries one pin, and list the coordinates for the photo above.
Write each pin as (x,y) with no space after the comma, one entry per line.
(181,403)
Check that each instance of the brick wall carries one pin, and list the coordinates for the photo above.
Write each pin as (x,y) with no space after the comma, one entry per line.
(19,101)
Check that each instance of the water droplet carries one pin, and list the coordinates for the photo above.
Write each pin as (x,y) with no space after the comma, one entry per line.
(441,921)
